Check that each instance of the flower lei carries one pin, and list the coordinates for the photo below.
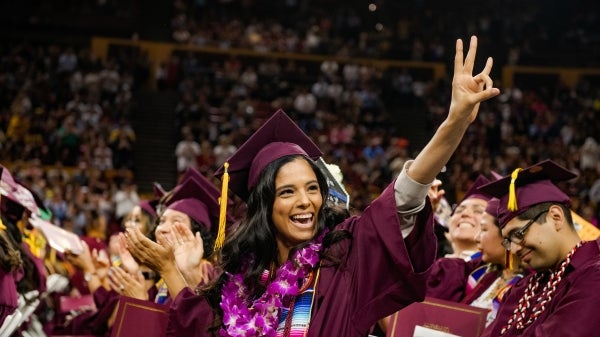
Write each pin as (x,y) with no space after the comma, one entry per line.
(262,318)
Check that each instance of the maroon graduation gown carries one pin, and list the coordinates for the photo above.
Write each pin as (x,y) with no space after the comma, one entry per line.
(448,277)
(573,309)
(91,322)
(8,292)
(380,273)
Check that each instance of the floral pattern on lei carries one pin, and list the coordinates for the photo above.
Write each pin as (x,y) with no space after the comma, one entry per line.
(261,319)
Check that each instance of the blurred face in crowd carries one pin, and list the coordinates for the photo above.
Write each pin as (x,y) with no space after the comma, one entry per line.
(166,224)
(297,203)
(489,241)
(465,222)
(138,219)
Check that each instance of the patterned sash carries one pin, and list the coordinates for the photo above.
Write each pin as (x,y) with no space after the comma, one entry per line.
(163,292)
(301,308)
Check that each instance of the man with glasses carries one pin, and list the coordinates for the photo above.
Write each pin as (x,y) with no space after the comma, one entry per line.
(560,298)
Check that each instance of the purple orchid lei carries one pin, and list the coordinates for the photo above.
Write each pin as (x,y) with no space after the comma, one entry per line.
(262,318)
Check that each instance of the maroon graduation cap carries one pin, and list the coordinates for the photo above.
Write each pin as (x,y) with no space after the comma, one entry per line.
(473,191)
(19,193)
(278,137)
(197,197)
(528,187)
(151,205)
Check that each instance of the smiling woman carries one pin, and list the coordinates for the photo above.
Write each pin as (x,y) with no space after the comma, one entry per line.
(298,200)
(290,268)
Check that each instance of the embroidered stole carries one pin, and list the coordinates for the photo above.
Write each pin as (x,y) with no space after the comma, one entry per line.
(163,292)
(473,282)
(301,309)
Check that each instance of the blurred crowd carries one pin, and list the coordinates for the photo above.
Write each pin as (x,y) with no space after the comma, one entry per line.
(344,110)
(515,32)
(67,127)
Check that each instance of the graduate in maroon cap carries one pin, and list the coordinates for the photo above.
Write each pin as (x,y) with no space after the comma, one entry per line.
(11,271)
(289,271)
(448,276)
(184,236)
(486,285)
(560,298)
(464,221)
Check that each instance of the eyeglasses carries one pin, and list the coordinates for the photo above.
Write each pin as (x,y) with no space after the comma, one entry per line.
(518,236)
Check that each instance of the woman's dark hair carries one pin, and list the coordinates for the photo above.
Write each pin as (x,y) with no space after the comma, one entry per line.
(10,255)
(252,246)
(30,279)
(208,238)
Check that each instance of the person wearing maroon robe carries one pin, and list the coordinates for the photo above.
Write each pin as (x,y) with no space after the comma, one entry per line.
(90,322)
(448,278)
(560,298)
(382,267)
(571,312)
(8,292)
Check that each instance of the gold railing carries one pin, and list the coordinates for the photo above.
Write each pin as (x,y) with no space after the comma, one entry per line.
(159,52)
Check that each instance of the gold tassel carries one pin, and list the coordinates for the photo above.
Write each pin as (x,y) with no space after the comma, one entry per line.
(52,257)
(220,240)
(512,261)
(512,194)
(2,226)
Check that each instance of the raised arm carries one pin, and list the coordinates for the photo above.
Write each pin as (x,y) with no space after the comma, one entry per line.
(468,92)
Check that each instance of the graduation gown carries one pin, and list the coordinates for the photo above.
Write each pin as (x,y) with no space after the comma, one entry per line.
(573,308)
(380,273)
(448,278)
(8,292)
(91,322)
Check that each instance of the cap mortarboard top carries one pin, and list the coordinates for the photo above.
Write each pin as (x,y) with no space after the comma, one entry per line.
(151,205)
(197,197)
(473,191)
(279,136)
(20,194)
(492,207)
(528,187)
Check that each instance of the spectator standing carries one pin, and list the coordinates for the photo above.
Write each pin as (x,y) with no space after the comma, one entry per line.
(187,150)
(125,199)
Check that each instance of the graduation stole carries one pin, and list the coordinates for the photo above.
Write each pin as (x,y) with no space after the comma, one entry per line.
(295,319)
(532,304)
(163,292)
(474,278)
(262,317)
(499,298)
(479,280)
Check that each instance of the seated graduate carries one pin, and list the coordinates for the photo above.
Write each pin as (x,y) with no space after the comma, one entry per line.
(184,238)
(560,298)
(24,244)
(486,286)
(11,271)
(464,221)
(290,271)
(448,276)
